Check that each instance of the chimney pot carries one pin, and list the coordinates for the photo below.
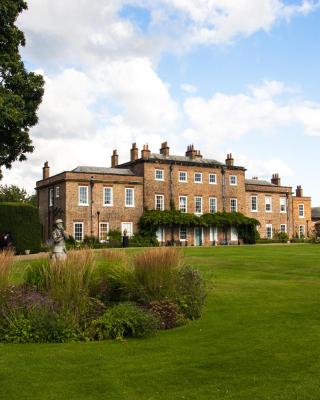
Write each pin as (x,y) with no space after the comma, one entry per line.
(134,152)
(46,170)
(114,159)
(229,160)
(145,153)
(165,149)
(275,180)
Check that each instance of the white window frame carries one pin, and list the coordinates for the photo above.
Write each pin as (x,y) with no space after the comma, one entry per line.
(304,231)
(234,235)
(160,196)
(269,226)
(51,194)
(186,204)
(101,240)
(125,197)
(301,215)
(285,228)
(215,205)
(104,196)
(79,196)
(200,174)
(213,233)
(186,175)
(235,183)
(57,192)
(215,179)
(251,198)
(268,203)
(183,239)
(124,226)
(162,174)
(74,231)
(195,204)
(283,202)
(236,207)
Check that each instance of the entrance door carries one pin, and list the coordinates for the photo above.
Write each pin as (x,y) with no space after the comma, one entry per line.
(198,236)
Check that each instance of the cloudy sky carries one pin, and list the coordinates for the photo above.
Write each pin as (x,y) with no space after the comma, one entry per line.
(238,76)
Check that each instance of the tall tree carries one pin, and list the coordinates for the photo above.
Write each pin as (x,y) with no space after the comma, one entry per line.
(13,194)
(20,91)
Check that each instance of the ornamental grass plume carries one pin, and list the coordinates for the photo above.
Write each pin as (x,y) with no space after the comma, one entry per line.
(6,262)
(156,272)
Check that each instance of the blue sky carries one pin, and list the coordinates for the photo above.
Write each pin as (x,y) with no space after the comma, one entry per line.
(227,75)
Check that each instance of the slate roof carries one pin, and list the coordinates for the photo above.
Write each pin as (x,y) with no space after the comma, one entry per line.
(315,212)
(201,161)
(103,170)
(258,182)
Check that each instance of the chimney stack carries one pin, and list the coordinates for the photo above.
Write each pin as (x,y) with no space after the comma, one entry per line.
(134,152)
(145,152)
(165,150)
(276,179)
(229,160)
(192,153)
(46,171)
(114,159)
(299,191)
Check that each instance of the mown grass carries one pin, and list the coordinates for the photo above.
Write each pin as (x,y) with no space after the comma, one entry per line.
(259,339)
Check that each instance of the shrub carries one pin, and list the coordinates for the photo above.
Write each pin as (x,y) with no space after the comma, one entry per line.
(26,316)
(22,221)
(114,238)
(282,237)
(168,314)
(6,261)
(191,293)
(124,320)
(146,240)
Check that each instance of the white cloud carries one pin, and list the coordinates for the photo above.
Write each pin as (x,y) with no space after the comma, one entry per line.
(188,88)
(225,117)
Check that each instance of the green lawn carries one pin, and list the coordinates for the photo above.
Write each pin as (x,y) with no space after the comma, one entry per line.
(259,338)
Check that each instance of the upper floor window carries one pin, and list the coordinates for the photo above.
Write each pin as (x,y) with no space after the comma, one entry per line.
(129,197)
(50,197)
(183,176)
(301,210)
(254,203)
(57,192)
(233,205)
(283,204)
(197,177)
(159,202)
(212,179)
(233,180)
(108,196)
(159,175)
(198,205)
(183,204)
(268,204)
(83,196)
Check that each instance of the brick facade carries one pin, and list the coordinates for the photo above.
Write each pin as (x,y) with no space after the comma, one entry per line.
(161,180)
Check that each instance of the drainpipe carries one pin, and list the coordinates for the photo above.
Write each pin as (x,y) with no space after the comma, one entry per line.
(91,204)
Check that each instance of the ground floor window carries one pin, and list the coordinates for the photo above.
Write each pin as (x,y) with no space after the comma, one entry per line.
(103,231)
(234,233)
(127,226)
(302,231)
(183,233)
(269,231)
(78,231)
(283,228)
(160,234)
(213,233)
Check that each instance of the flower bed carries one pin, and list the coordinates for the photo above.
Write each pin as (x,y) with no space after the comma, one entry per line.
(90,297)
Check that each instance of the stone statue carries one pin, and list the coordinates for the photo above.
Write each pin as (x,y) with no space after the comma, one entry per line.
(59,236)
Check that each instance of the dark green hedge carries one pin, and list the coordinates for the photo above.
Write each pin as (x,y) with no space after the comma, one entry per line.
(22,220)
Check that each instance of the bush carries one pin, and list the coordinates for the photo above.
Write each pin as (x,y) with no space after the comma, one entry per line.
(140,240)
(114,238)
(22,221)
(191,293)
(26,316)
(124,320)
(168,314)
(282,237)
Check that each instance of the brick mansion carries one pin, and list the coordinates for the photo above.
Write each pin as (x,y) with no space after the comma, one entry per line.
(94,200)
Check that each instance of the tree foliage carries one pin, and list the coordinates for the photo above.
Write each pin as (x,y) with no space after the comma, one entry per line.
(20,91)
(14,194)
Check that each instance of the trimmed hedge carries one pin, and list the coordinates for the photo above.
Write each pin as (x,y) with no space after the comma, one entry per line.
(22,221)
